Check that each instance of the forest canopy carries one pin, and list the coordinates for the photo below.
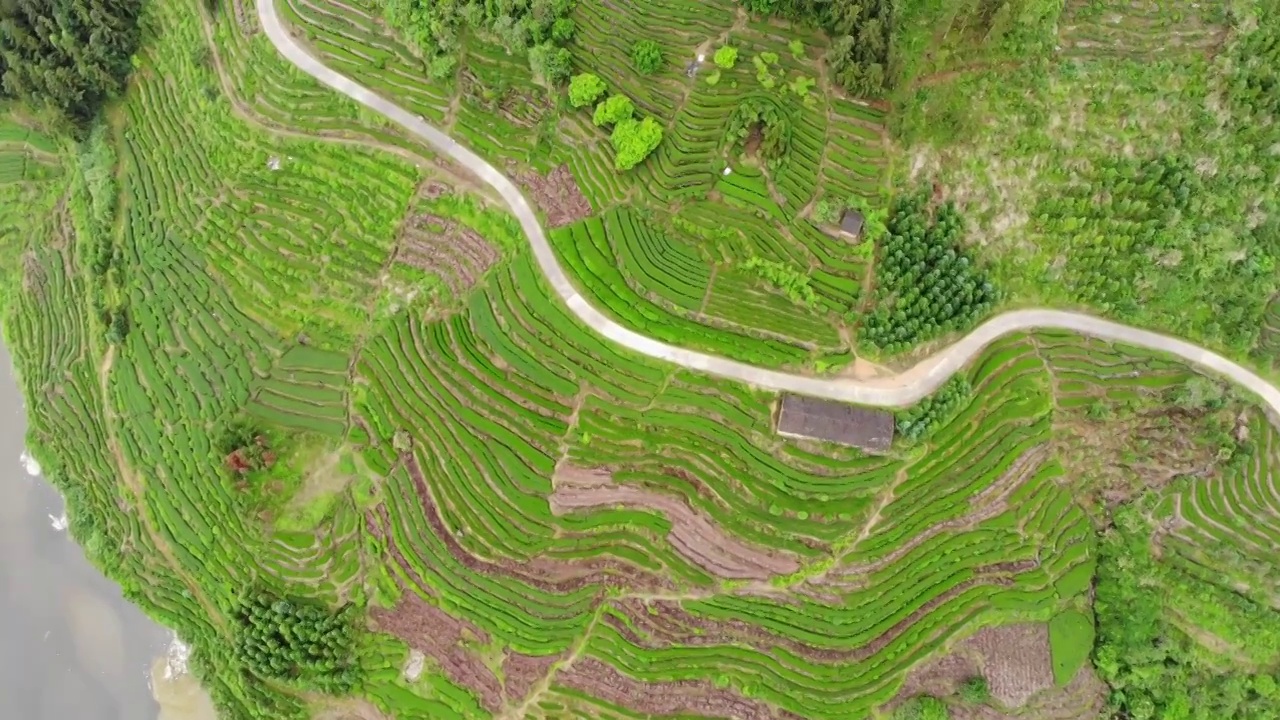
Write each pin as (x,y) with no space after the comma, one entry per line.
(860,37)
(68,56)
(436,29)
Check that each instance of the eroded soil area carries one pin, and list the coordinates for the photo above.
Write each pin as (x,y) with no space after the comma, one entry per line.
(1013,659)
(556,194)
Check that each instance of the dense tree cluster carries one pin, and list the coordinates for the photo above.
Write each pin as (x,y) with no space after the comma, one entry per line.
(861,32)
(68,55)
(764,116)
(926,284)
(919,421)
(301,643)
(436,29)
(1153,668)
(1114,221)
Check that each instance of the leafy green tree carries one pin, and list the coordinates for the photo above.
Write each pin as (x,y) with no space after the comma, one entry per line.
(825,212)
(70,56)
(585,89)
(764,63)
(726,57)
(634,140)
(550,62)
(563,30)
(646,55)
(614,110)
(975,690)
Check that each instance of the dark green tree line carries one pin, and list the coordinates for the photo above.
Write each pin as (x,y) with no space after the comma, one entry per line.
(69,56)
(861,32)
(305,644)
(926,284)
(540,28)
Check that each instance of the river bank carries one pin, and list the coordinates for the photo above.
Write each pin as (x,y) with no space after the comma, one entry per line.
(74,647)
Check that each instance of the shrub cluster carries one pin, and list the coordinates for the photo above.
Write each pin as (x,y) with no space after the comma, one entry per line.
(633,139)
(920,421)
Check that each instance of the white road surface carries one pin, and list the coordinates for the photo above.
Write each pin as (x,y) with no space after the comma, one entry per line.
(888,392)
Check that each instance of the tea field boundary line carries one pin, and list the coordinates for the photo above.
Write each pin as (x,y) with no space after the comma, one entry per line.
(898,391)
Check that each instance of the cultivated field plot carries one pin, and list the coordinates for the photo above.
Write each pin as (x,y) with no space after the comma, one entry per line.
(835,148)
(272,347)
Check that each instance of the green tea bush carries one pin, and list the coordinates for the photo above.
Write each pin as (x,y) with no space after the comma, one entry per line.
(647,57)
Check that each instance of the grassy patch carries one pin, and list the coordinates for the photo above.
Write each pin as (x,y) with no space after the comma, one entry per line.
(1070,642)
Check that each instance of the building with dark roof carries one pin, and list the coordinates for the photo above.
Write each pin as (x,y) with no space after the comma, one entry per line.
(837,422)
(851,224)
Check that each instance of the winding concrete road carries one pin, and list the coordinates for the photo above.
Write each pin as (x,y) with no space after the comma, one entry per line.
(888,392)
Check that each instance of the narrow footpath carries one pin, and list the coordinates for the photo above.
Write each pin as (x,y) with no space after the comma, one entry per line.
(898,391)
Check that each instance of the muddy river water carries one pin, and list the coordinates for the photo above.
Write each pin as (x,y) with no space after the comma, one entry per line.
(71,648)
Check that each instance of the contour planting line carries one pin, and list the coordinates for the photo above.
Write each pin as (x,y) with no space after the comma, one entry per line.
(898,391)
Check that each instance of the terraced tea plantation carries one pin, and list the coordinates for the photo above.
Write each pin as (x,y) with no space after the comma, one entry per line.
(315,405)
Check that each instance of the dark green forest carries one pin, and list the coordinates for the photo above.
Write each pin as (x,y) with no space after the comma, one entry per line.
(67,56)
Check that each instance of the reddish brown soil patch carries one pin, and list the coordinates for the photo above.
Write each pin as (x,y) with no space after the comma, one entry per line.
(440,636)
(1015,661)
(521,672)
(557,194)
(598,679)
(1102,449)
(940,677)
(1082,699)
(246,18)
(693,535)
(438,245)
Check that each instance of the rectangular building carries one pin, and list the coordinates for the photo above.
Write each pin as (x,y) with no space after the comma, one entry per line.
(837,422)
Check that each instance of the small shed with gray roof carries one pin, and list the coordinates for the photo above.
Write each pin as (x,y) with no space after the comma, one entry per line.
(837,422)
(851,223)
